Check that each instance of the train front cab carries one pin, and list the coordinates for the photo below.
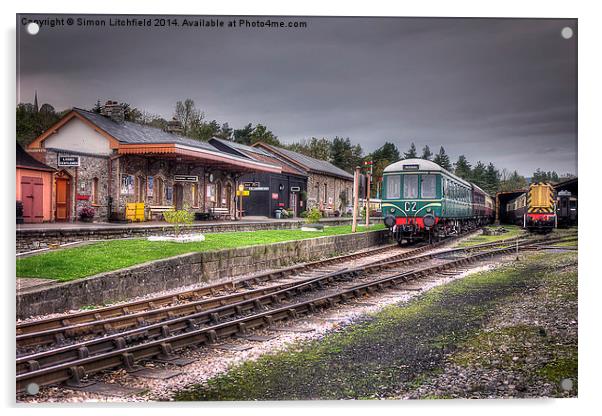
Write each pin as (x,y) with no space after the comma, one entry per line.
(541,208)
(412,204)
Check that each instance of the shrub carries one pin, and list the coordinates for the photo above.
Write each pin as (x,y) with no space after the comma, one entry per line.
(179,218)
(313,216)
(303,214)
(86,213)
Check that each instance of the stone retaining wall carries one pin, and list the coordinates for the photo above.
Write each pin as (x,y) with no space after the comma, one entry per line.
(32,239)
(184,270)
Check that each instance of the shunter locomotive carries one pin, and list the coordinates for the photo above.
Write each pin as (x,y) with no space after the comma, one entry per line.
(535,209)
(423,201)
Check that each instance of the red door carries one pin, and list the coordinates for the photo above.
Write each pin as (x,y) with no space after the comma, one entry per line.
(32,195)
(62,199)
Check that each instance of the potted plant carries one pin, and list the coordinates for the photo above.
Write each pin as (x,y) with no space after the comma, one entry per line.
(312,221)
(86,213)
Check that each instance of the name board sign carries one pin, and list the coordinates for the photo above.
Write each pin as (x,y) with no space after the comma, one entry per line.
(259,188)
(67,160)
(295,188)
(410,167)
(185,178)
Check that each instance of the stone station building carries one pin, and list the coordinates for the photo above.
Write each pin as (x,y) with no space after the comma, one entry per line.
(105,162)
(326,183)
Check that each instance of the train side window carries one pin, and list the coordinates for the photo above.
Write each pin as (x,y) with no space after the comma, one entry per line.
(429,186)
(393,186)
(410,186)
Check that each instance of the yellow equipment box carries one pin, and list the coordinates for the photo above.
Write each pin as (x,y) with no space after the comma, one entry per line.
(134,211)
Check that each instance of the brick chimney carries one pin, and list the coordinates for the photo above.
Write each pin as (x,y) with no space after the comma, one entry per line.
(174,126)
(114,111)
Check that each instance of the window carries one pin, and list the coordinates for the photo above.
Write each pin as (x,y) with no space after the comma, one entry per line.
(195,195)
(393,186)
(410,186)
(95,191)
(211,192)
(428,189)
(127,184)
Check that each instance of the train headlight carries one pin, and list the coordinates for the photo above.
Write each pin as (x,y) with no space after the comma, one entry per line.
(429,220)
(389,221)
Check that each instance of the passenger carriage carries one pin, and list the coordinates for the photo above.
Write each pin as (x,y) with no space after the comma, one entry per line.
(423,201)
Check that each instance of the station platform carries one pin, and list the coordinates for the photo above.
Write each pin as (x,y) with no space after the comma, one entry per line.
(31,237)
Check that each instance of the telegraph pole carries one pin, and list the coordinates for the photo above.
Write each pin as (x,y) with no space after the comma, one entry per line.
(356,191)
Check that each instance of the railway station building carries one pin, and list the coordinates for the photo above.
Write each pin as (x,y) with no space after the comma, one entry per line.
(107,163)
(328,186)
(268,191)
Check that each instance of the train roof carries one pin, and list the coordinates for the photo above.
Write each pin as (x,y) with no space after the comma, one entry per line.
(422,165)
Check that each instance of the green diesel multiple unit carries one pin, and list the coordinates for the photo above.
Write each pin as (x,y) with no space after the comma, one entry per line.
(421,200)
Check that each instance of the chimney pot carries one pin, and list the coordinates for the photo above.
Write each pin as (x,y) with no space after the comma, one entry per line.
(174,126)
(114,111)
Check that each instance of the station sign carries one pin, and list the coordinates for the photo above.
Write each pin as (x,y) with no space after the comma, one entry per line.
(259,188)
(68,160)
(185,178)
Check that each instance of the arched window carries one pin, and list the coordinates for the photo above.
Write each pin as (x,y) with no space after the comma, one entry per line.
(95,191)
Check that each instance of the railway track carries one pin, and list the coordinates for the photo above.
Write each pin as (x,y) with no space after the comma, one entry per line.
(35,336)
(232,314)
(158,303)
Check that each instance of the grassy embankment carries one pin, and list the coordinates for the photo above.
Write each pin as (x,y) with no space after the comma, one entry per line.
(73,263)
(402,347)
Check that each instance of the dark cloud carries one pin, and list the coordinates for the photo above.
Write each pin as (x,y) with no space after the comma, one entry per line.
(501,90)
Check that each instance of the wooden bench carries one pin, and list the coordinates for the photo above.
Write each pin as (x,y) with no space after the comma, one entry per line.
(219,212)
(158,209)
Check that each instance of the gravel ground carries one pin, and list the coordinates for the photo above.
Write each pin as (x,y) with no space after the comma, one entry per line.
(527,349)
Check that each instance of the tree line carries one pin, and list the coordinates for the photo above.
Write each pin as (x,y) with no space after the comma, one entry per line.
(341,152)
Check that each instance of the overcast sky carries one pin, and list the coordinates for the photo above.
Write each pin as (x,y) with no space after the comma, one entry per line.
(500,90)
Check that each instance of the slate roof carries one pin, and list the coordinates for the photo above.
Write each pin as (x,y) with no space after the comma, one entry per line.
(261,155)
(309,163)
(133,133)
(25,160)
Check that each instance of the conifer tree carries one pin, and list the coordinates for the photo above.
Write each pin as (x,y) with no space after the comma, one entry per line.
(442,159)
(426,153)
(411,153)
